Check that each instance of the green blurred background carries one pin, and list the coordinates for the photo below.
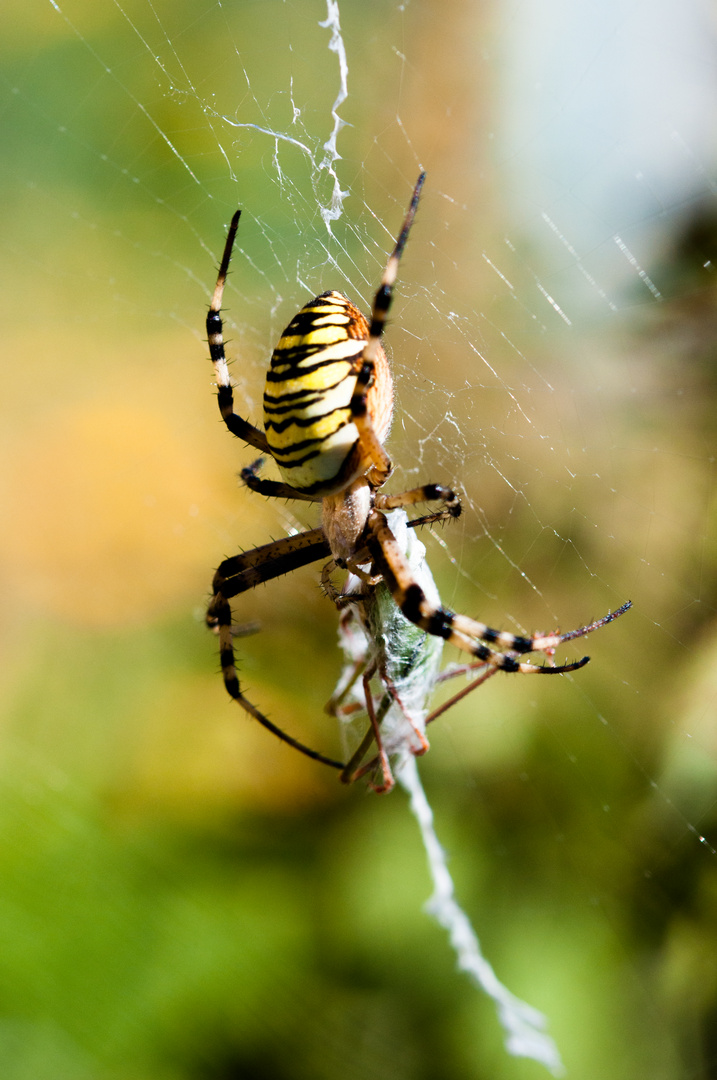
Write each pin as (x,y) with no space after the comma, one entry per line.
(180,895)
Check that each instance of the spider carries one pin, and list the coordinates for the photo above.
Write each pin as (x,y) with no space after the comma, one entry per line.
(328,403)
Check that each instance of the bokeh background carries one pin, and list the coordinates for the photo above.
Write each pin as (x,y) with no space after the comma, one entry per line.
(181,896)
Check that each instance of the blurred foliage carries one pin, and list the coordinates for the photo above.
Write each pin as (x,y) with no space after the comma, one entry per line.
(181,897)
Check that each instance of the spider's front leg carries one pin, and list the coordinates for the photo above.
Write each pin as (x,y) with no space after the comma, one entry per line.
(373,395)
(466,634)
(215,336)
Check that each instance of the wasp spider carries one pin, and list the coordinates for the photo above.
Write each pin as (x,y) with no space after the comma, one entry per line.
(328,402)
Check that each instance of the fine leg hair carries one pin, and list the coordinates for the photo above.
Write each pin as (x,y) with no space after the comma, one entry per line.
(272,489)
(426,493)
(241,572)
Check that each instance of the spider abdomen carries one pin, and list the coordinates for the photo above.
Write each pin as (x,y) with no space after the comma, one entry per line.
(307,397)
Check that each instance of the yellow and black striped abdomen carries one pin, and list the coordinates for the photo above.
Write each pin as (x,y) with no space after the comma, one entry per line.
(307,415)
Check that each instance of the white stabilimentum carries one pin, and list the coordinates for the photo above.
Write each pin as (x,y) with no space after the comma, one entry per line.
(524,1025)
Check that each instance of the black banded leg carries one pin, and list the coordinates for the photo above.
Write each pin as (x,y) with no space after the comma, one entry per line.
(215,336)
(242,572)
(272,489)
(372,448)
(384,295)
(466,634)
(538,642)
(222,616)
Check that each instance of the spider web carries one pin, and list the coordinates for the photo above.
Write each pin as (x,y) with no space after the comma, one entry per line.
(550,343)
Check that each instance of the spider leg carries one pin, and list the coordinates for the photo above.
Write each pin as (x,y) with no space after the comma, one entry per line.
(381,468)
(272,489)
(215,335)
(466,634)
(288,739)
(490,669)
(353,770)
(384,295)
(336,701)
(426,493)
(423,743)
(241,572)
(387,776)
